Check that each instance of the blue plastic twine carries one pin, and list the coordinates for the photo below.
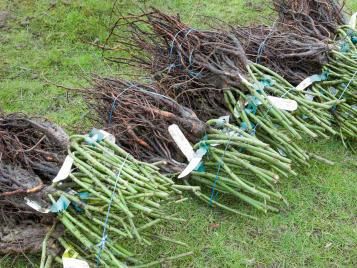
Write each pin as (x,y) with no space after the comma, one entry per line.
(213,189)
(262,45)
(346,87)
(110,116)
(102,242)
(192,73)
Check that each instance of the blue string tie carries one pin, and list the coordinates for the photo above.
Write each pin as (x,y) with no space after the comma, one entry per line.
(101,244)
(266,83)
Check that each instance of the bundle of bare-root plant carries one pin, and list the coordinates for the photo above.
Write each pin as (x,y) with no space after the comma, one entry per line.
(340,84)
(34,144)
(191,64)
(31,153)
(113,206)
(219,55)
(22,229)
(298,43)
(139,116)
(318,18)
(294,55)
(335,56)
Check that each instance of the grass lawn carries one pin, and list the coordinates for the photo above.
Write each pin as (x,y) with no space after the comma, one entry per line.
(46,43)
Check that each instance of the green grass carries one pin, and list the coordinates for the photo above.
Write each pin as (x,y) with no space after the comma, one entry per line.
(317,230)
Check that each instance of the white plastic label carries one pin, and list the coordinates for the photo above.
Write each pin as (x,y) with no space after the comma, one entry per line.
(195,161)
(74,263)
(65,169)
(107,135)
(283,104)
(36,206)
(353,21)
(305,83)
(222,120)
(181,141)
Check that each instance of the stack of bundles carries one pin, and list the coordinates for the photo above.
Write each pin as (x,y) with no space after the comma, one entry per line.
(219,55)
(113,204)
(259,159)
(139,115)
(31,153)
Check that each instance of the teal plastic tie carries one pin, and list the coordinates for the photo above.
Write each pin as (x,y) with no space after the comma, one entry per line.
(84,195)
(94,136)
(354,40)
(267,81)
(200,168)
(252,106)
(345,47)
(243,126)
(353,34)
(203,143)
(61,204)
(204,148)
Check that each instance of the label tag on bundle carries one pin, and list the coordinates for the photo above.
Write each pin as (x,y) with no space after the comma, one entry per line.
(107,136)
(221,121)
(96,135)
(283,104)
(74,263)
(194,163)
(36,206)
(69,259)
(353,21)
(308,82)
(312,79)
(182,143)
(65,169)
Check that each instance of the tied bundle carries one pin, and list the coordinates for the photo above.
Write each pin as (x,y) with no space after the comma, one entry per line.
(336,83)
(32,143)
(31,153)
(300,40)
(139,115)
(239,166)
(340,83)
(113,204)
